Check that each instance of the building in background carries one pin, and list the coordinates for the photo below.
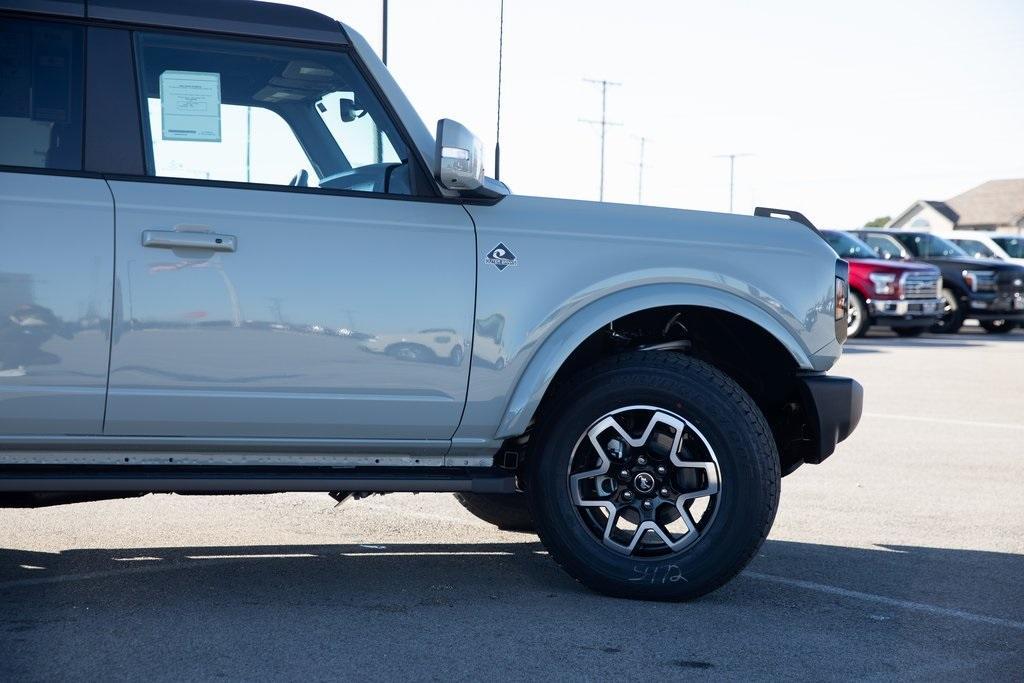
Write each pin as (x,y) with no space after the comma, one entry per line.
(995,205)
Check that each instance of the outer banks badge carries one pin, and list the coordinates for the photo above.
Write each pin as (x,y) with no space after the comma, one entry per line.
(501,257)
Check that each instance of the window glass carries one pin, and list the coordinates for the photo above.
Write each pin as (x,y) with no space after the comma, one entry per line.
(234,111)
(848,246)
(1013,246)
(926,245)
(884,246)
(41,100)
(975,248)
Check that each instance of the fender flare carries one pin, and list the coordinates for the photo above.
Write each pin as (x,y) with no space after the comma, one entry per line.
(559,343)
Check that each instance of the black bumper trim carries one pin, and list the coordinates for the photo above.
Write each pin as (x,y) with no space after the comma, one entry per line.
(833,406)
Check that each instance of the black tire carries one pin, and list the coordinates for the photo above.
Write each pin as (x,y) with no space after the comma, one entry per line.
(508,511)
(716,407)
(953,316)
(908,331)
(998,326)
(858,322)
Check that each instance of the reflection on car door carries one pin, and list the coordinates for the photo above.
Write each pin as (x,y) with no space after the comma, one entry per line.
(278,336)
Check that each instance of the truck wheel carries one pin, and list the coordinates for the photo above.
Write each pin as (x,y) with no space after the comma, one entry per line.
(997,326)
(908,331)
(858,322)
(952,315)
(507,511)
(654,476)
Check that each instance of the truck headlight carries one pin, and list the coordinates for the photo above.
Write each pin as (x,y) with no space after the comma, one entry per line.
(980,280)
(885,283)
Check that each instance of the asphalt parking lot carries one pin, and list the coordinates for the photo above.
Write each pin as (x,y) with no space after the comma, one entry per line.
(900,557)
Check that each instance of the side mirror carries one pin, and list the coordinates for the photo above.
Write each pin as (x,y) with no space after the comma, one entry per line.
(349,110)
(459,163)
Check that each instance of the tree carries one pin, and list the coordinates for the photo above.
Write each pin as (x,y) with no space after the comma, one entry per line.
(879,222)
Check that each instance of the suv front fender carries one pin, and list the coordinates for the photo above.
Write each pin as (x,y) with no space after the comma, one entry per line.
(556,347)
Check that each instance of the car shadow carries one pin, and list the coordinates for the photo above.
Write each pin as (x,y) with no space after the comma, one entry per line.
(479,570)
(402,610)
(874,341)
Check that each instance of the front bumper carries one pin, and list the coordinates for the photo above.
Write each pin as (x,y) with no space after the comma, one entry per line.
(833,407)
(1005,305)
(907,312)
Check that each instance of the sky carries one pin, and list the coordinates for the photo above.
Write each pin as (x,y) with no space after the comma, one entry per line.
(848,111)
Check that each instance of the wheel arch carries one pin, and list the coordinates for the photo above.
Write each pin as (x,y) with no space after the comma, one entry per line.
(570,336)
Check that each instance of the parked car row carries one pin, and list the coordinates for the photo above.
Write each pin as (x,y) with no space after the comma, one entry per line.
(917,281)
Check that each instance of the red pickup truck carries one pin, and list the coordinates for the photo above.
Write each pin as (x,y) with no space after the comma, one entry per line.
(901,295)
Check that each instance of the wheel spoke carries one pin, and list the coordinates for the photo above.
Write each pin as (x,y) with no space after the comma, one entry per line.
(629,478)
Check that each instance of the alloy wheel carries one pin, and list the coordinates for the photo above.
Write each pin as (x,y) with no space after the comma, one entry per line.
(644,481)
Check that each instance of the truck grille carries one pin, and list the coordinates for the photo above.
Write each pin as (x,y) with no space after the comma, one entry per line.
(921,286)
(1011,282)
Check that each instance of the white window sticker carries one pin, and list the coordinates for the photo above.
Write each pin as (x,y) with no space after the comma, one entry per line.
(190,105)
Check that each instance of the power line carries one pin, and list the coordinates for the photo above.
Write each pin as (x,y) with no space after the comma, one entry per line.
(732,171)
(603,122)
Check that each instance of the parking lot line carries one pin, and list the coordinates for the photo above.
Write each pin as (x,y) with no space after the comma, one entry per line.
(884,600)
(947,421)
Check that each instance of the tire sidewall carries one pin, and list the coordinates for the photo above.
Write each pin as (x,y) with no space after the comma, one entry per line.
(739,522)
(863,320)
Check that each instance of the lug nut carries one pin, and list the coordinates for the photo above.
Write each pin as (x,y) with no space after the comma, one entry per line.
(663,493)
(661,470)
(641,460)
(627,495)
(647,505)
(624,474)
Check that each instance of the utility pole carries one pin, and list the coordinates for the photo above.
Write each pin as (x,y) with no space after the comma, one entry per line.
(640,174)
(732,171)
(603,122)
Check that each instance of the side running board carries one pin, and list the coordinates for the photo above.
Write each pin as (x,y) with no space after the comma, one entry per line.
(60,478)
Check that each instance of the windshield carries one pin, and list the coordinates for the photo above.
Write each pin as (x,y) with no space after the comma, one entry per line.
(1013,246)
(848,246)
(925,245)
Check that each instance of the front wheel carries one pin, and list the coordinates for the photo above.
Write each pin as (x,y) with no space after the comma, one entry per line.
(952,315)
(858,322)
(998,326)
(654,476)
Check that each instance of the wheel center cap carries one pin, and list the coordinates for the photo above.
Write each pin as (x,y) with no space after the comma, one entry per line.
(644,482)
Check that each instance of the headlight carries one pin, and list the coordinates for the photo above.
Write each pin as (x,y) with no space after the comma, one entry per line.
(980,280)
(885,283)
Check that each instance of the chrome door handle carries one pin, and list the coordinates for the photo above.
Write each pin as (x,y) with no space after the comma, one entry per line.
(175,239)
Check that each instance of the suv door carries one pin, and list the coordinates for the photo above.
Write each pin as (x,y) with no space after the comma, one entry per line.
(279,275)
(57,237)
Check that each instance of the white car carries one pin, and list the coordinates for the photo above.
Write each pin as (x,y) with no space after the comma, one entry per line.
(989,245)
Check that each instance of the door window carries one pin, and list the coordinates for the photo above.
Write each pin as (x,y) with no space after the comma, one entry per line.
(975,248)
(232,111)
(885,247)
(41,75)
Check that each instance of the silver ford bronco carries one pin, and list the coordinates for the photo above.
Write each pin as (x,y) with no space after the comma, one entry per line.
(234,259)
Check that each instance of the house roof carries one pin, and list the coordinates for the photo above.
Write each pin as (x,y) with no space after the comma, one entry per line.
(997,202)
(944,209)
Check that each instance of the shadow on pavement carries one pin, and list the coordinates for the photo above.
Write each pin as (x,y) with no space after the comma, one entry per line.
(472,611)
(984,582)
